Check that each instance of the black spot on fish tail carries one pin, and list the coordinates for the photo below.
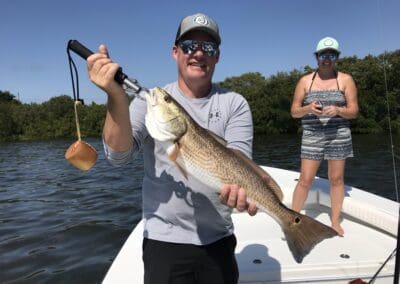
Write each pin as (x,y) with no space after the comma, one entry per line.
(303,233)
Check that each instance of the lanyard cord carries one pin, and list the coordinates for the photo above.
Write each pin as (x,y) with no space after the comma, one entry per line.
(315,74)
(75,91)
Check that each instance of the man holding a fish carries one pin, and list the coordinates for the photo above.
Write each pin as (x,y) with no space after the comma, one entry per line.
(188,232)
(196,139)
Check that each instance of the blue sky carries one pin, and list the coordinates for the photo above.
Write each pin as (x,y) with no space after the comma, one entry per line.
(265,36)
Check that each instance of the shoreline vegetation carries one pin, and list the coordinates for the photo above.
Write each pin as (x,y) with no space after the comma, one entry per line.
(269,98)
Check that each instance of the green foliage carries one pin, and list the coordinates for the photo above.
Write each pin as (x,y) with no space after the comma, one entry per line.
(270,98)
(50,120)
(8,124)
(7,97)
(377,80)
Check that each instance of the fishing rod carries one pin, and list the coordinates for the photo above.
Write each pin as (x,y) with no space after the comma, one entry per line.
(373,278)
(396,251)
(397,261)
(131,85)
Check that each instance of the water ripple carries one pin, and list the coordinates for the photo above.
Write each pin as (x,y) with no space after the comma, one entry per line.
(61,225)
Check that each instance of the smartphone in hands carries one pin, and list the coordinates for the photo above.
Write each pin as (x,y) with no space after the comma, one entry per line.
(319,105)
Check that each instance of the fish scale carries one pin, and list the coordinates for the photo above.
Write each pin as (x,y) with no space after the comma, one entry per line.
(211,160)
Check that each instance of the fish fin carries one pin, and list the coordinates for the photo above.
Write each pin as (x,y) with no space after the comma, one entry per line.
(218,138)
(173,151)
(302,233)
(267,179)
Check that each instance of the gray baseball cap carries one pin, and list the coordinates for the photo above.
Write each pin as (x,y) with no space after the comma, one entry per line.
(198,22)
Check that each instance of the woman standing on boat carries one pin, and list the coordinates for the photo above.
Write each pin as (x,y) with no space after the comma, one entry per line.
(325,100)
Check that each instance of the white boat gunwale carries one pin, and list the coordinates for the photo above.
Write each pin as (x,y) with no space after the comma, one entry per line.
(368,220)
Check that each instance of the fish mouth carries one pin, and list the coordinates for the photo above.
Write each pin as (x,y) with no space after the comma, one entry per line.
(151,98)
(164,121)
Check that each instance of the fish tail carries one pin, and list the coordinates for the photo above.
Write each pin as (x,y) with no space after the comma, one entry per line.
(302,233)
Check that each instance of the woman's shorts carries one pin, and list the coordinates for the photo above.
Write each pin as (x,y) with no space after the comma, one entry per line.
(326,144)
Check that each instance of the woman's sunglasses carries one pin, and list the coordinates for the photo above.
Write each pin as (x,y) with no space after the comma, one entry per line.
(191,46)
(331,56)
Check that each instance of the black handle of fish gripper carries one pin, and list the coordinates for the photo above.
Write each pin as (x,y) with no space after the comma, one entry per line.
(79,49)
(84,52)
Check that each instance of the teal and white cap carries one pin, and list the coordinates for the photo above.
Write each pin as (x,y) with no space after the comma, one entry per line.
(198,22)
(327,43)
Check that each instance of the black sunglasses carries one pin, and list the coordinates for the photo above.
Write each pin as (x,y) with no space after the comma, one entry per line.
(191,46)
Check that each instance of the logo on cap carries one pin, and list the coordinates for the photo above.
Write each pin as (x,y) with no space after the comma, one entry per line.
(201,20)
(328,42)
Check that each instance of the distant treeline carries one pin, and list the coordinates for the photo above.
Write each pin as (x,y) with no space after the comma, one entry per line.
(377,79)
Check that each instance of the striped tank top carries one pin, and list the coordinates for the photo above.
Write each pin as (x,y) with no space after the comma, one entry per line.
(326,98)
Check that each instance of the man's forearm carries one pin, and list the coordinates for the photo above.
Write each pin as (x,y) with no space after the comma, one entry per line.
(117,131)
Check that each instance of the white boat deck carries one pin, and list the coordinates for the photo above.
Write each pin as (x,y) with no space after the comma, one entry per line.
(370,224)
(263,253)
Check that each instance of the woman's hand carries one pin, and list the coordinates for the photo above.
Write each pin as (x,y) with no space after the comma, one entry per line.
(316,108)
(331,111)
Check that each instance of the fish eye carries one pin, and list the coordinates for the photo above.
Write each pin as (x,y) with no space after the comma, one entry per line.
(167,99)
